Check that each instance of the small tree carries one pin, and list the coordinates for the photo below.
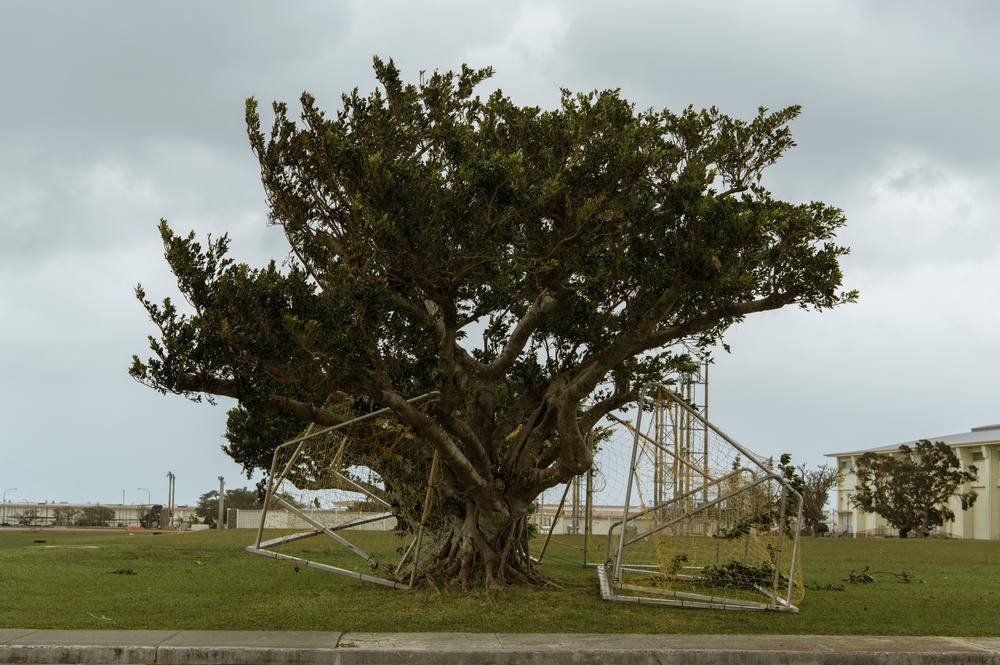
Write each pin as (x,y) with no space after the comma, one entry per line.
(240,498)
(149,518)
(64,516)
(27,518)
(816,487)
(912,490)
(95,516)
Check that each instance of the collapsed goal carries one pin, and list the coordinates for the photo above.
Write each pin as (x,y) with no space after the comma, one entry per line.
(705,522)
(675,512)
(328,507)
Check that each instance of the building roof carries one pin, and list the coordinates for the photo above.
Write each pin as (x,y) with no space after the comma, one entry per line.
(977,436)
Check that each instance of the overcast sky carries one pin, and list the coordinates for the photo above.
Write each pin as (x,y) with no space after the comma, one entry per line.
(116,114)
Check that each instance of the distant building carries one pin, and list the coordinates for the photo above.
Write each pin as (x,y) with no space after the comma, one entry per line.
(979,447)
(29,514)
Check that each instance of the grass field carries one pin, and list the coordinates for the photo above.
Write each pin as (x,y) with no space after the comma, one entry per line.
(207,581)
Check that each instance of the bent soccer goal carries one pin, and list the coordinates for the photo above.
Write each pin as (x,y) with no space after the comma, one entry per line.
(705,522)
(330,508)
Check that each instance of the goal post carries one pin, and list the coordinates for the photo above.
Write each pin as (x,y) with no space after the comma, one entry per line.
(704,521)
(327,507)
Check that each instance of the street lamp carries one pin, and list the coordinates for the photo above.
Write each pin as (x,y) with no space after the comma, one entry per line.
(11,489)
(222,502)
(148,501)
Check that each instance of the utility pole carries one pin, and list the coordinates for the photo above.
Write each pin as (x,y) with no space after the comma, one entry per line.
(170,501)
(222,502)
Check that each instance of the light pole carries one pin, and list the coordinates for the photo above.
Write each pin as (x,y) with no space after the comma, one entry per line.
(12,489)
(222,501)
(142,510)
(170,500)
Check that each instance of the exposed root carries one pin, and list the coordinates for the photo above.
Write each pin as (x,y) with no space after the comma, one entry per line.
(466,558)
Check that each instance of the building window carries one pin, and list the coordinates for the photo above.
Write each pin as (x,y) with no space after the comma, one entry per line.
(977,457)
(847,466)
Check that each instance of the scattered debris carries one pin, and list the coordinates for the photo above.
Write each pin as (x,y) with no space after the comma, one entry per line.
(735,575)
(867,576)
(123,571)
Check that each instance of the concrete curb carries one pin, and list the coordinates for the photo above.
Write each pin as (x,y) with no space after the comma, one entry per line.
(147,647)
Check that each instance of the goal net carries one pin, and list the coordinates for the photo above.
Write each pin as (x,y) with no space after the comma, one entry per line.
(703,521)
(328,507)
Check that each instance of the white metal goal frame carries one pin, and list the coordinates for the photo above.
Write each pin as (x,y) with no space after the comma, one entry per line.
(279,471)
(610,574)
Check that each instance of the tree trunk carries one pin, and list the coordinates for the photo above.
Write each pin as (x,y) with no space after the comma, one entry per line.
(475,547)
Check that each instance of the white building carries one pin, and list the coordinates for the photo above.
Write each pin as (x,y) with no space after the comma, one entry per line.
(979,447)
(30,514)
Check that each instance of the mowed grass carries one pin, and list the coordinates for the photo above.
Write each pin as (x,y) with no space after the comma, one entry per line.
(207,581)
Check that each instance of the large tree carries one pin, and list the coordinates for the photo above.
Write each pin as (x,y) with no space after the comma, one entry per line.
(530,268)
(912,490)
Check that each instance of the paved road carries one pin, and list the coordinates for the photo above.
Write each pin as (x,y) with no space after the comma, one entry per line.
(167,647)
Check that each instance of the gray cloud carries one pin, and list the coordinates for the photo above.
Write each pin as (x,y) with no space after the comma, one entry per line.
(115,115)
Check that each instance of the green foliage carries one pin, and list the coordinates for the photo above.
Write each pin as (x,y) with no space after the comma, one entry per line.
(240,498)
(28,517)
(94,516)
(64,517)
(736,575)
(531,268)
(150,518)
(676,564)
(766,520)
(816,486)
(912,490)
(366,506)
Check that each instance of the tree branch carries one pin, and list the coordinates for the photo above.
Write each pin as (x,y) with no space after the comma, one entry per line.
(276,404)
(545,305)
(436,436)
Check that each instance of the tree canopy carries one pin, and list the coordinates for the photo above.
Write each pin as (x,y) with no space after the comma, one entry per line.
(240,498)
(816,486)
(530,268)
(912,490)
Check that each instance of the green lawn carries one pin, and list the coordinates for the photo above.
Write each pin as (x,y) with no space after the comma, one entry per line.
(207,581)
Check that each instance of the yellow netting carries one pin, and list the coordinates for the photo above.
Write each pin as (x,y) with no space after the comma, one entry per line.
(332,485)
(708,524)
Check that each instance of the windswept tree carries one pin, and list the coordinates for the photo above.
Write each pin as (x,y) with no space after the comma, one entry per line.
(95,516)
(65,516)
(28,517)
(912,490)
(530,268)
(150,518)
(240,498)
(816,486)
